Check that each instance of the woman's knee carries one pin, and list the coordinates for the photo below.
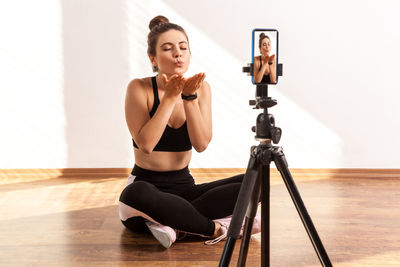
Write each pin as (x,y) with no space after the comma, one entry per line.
(136,193)
(240,177)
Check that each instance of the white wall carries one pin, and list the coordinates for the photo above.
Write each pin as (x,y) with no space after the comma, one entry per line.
(64,67)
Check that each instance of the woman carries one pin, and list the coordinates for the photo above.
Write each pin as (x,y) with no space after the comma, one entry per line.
(265,65)
(166,115)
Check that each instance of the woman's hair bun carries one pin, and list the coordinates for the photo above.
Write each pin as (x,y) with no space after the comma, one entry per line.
(262,35)
(157,21)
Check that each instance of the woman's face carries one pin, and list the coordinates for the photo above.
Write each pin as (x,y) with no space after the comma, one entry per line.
(265,48)
(172,53)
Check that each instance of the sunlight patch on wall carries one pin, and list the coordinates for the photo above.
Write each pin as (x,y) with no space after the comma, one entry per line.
(31,95)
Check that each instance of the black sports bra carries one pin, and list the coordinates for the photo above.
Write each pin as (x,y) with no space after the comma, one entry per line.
(173,140)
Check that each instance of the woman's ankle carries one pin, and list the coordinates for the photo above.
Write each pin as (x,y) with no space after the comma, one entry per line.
(217,230)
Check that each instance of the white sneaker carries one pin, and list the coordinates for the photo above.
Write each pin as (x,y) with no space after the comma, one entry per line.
(256,225)
(226,221)
(164,234)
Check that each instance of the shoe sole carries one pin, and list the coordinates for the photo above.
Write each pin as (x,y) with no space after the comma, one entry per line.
(162,237)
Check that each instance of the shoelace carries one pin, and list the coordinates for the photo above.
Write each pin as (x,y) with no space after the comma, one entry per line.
(180,235)
(219,238)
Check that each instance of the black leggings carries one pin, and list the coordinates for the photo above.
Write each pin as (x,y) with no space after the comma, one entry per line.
(173,199)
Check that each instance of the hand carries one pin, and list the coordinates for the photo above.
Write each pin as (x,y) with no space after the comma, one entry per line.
(192,84)
(272,59)
(173,86)
(265,59)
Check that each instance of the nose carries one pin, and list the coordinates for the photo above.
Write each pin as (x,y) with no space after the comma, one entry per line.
(178,52)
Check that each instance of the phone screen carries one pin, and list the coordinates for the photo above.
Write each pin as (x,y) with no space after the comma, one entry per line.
(265,56)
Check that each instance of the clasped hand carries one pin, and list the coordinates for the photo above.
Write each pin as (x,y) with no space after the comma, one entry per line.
(266,59)
(178,84)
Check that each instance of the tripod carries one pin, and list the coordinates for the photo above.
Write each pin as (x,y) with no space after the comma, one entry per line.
(256,185)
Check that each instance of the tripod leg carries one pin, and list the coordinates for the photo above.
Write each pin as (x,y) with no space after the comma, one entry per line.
(281,164)
(249,220)
(265,215)
(239,211)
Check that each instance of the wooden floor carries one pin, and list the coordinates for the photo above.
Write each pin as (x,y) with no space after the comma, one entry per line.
(70,218)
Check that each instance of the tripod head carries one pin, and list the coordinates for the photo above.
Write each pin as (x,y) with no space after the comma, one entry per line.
(265,128)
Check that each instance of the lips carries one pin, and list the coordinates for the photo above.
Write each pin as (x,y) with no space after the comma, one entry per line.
(179,63)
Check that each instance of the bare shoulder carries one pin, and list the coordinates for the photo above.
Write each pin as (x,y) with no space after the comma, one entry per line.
(205,88)
(138,84)
(137,93)
(138,87)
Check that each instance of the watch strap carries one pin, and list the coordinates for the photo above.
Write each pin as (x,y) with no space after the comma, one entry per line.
(189,97)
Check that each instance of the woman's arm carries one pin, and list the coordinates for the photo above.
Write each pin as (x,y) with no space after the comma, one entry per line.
(272,71)
(258,74)
(147,131)
(198,117)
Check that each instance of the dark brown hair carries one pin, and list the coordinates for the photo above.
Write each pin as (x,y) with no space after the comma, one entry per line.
(262,37)
(158,25)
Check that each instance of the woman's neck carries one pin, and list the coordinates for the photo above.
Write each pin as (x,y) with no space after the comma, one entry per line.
(160,81)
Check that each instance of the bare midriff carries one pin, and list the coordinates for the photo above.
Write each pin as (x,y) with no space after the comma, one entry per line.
(162,161)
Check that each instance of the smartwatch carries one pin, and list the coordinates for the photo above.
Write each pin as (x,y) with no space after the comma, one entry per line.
(189,97)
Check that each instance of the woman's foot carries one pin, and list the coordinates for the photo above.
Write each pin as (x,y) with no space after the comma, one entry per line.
(222,226)
(220,233)
(217,231)
(164,234)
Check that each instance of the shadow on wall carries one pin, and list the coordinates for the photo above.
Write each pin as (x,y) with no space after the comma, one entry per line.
(96,71)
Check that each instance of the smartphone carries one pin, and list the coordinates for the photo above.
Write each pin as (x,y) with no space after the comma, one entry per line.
(265,56)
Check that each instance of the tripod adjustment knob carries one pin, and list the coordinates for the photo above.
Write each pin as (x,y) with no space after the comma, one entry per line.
(253,129)
(276,134)
(252,102)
